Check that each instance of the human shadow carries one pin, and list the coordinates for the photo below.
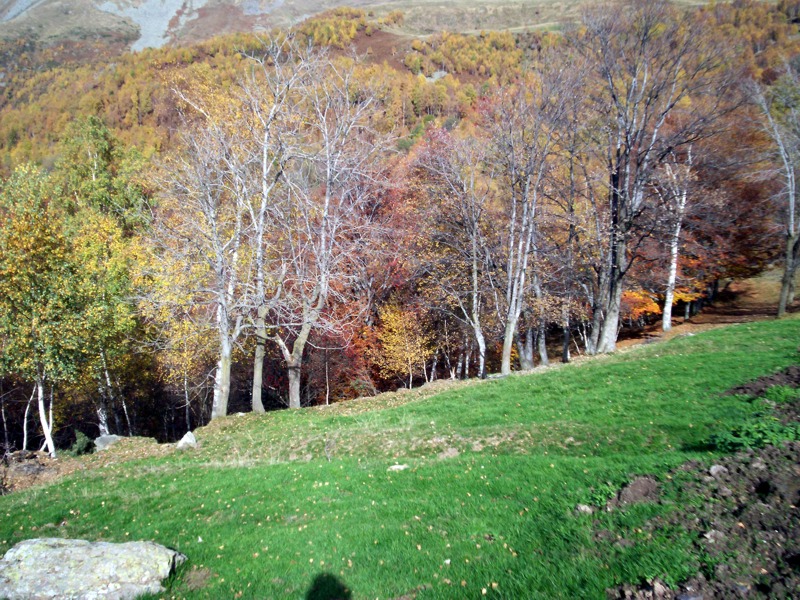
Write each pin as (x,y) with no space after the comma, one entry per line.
(328,587)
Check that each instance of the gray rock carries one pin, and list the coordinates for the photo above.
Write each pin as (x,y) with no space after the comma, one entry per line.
(106,441)
(717,470)
(584,509)
(397,468)
(714,536)
(61,569)
(188,441)
(659,589)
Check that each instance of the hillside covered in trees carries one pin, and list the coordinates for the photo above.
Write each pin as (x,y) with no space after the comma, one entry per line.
(323,213)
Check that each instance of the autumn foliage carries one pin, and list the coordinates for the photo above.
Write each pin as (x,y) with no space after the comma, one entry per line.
(320,225)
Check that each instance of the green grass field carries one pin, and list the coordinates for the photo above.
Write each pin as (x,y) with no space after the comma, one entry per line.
(282,505)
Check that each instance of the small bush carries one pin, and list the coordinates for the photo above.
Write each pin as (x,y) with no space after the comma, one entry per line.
(82,445)
(757,434)
(781,394)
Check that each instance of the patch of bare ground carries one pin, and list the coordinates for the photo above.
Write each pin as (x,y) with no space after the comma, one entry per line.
(24,469)
(744,528)
(743,514)
(383,46)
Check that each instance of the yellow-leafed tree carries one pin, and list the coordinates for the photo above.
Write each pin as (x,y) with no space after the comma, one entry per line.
(406,344)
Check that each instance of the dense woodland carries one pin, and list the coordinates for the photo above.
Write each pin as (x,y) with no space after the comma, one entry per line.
(267,221)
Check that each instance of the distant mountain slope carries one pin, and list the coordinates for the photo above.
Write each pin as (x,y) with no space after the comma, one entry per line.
(153,23)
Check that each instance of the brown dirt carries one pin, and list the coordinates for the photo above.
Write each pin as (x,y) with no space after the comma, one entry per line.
(22,470)
(745,529)
(787,378)
(743,514)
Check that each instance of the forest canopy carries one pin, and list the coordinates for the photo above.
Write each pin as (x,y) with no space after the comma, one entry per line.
(314,215)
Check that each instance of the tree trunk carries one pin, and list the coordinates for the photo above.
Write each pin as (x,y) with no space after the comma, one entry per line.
(525,350)
(565,328)
(479,337)
(187,403)
(542,344)
(127,416)
(222,383)
(258,362)
(607,341)
(102,417)
(46,426)
(6,443)
(592,341)
(789,271)
(294,371)
(508,344)
(666,319)
(25,420)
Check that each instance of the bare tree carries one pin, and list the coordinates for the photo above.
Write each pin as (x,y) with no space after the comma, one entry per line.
(320,224)
(648,59)
(199,230)
(780,109)
(460,173)
(267,96)
(524,122)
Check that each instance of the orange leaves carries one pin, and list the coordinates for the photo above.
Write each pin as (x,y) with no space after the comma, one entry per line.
(638,305)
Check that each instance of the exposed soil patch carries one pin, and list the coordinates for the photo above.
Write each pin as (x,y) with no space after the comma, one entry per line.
(787,378)
(24,469)
(743,514)
(745,531)
(641,489)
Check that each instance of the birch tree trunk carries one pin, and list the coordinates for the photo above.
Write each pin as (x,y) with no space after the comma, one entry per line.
(258,361)
(46,424)
(25,419)
(222,380)
(674,197)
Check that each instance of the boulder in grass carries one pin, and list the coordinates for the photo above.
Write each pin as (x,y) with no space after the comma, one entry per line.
(187,442)
(58,569)
(106,441)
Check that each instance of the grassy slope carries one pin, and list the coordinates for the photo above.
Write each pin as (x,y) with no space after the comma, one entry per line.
(273,512)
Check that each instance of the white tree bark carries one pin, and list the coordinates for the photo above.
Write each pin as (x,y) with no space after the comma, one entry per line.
(45,422)
(674,191)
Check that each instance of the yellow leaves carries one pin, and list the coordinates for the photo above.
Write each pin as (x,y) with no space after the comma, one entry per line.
(638,304)
(406,344)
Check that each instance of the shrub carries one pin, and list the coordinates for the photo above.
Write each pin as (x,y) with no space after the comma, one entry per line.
(82,445)
(756,434)
(781,394)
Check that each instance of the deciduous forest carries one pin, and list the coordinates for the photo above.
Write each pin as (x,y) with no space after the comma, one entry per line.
(310,216)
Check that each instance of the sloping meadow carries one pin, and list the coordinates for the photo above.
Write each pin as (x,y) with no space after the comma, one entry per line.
(468,492)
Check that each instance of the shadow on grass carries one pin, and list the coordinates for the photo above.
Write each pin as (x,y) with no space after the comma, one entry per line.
(328,587)
(699,446)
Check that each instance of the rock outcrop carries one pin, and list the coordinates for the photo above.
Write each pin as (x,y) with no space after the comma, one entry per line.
(187,442)
(55,568)
(106,441)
